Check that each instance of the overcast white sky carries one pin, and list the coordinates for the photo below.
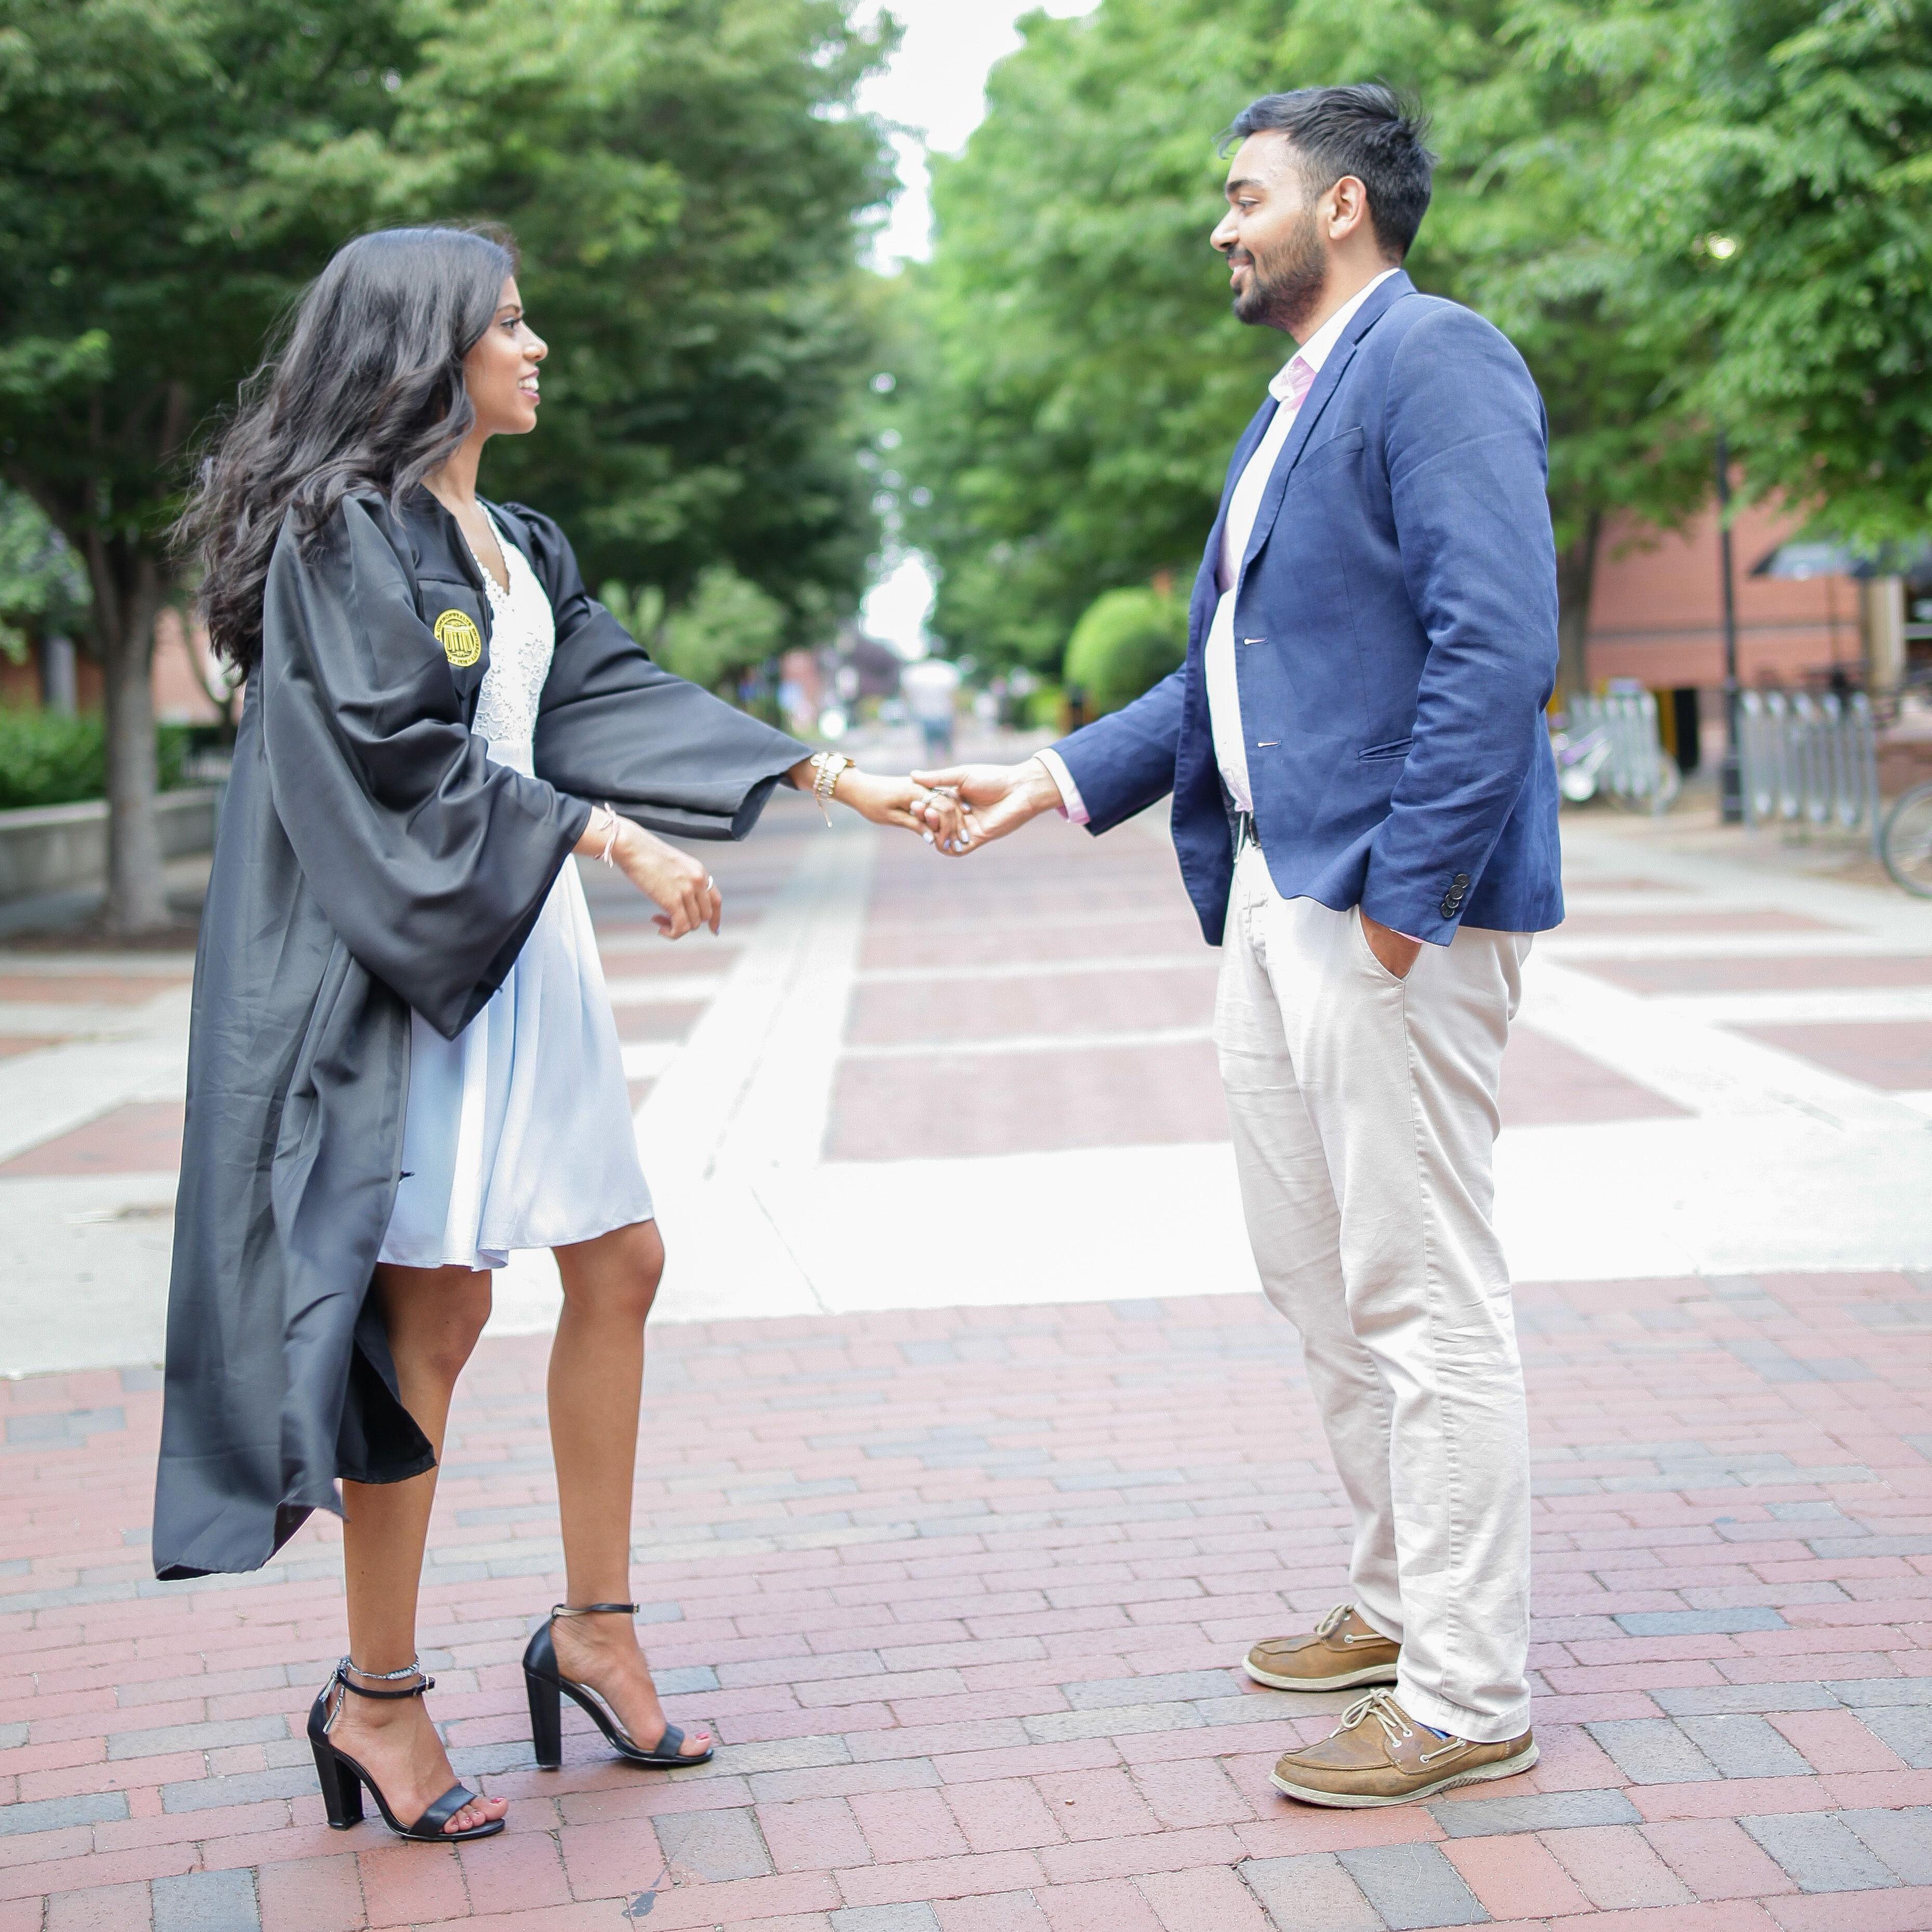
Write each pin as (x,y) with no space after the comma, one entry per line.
(935,85)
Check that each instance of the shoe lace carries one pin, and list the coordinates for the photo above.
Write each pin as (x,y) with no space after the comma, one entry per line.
(1337,1617)
(1379,1705)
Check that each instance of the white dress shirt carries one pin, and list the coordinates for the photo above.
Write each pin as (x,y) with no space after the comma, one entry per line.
(1290,384)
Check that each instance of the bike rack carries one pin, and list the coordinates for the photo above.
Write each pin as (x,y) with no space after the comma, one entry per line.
(1634,771)
(1809,761)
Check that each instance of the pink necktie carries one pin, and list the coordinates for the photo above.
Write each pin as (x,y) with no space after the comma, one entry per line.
(1300,380)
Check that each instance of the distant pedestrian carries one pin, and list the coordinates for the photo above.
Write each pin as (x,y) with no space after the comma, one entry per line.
(404,1064)
(931,687)
(1364,805)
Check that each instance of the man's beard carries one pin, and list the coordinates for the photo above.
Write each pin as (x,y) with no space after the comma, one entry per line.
(1284,291)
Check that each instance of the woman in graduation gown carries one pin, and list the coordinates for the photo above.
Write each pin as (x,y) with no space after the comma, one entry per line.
(403,1063)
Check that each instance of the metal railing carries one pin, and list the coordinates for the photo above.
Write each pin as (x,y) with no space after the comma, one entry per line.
(1809,762)
(1639,771)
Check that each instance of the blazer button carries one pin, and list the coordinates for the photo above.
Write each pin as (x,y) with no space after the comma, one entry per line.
(1460,883)
(1448,908)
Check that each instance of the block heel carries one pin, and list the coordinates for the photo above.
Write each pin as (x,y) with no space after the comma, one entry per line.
(546,1696)
(343,1779)
(548,1686)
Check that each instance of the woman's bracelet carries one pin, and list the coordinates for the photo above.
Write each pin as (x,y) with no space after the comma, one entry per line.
(828,767)
(604,858)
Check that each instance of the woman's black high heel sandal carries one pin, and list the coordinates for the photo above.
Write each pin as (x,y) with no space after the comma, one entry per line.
(547,1687)
(343,1778)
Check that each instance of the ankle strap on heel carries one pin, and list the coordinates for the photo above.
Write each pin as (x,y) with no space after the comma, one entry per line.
(342,1677)
(595,1609)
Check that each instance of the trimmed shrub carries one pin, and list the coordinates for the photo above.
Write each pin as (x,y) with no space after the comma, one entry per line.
(48,757)
(1126,643)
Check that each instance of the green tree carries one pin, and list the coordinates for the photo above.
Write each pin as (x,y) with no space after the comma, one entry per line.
(727,626)
(1515,229)
(42,586)
(1079,382)
(1083,383)
(1768,187)
(684,177)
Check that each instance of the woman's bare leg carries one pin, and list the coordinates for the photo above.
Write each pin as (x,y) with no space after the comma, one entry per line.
(596,1382)
(434,1317)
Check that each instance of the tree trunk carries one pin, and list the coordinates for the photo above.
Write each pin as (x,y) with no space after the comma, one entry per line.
(137,899)
(125,572)
(1575,573)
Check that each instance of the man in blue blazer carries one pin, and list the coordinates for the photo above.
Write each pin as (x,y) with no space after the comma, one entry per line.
(1364,805)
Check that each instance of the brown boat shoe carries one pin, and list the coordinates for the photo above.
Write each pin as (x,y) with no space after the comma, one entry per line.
(1340,1652)
(1378,1754)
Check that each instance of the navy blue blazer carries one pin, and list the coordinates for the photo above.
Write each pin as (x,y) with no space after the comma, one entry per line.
(1395,627)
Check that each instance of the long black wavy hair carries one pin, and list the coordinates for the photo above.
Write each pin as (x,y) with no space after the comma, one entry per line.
(364,391)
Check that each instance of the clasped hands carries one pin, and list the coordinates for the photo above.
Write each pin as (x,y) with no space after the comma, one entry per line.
(1000,798)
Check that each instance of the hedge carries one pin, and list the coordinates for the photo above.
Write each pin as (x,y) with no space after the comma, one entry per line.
(53,757)
(1126,642)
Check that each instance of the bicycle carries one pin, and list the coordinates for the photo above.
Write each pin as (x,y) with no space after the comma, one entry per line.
(1905,844)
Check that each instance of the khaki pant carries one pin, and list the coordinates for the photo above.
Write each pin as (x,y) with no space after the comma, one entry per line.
(1364,1115)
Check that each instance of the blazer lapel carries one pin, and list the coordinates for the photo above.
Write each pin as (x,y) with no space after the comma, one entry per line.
(1323,388)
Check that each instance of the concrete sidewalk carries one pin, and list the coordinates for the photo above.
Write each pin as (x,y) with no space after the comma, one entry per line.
(973,1462)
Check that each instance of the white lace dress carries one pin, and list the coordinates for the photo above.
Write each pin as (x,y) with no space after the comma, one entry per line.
(518,1133)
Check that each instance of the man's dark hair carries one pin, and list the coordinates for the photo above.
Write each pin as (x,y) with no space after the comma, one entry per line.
(1368,131)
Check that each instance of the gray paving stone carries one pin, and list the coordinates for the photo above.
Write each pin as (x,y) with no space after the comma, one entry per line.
(1701,1700)
(1122,1479)
(781,1754)
(1112,1720)
(62,1429)
(1902,1839)
(715,1845)
(1743,1746)
(141,1382)
(1819,1851)
(207,1901)
(904,1774)
(1266,1708)
(678,1680)
(1830,1547)
(53,1814)
(1698,1623)
(487,1760)
(244,1787)
(1907,1728)
(12,1736)
(1313,1890)
(1412,1885)
(1736,1529)
(1173,1687)
(1770,1362)
(197,1737)
(1652,1750)
(1858,1692)
(885,1918)
(1532,1811)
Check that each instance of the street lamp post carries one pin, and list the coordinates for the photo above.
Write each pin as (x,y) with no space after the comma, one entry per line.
(1730,780)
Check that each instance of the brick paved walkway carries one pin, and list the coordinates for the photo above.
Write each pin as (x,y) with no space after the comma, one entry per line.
(955,1532)
(960,1591)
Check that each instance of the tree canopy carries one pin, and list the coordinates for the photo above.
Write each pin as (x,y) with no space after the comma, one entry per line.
(688,181)
(1685,213)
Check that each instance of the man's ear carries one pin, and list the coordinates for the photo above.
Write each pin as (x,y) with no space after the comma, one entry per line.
(1348,208)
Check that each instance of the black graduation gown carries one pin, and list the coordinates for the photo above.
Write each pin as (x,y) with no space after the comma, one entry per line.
(370,859)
